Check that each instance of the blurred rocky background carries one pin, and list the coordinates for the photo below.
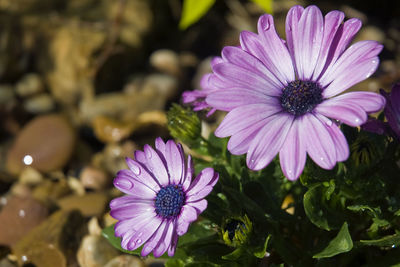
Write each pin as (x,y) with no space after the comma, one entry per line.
(83,83)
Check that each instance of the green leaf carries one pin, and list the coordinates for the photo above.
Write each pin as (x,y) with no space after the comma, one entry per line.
(340,244)
(266,5)
(261,253)
(193,10)
(174,263)
(108,233)
(234,255)
(361,208)
(314,202)
(387,241)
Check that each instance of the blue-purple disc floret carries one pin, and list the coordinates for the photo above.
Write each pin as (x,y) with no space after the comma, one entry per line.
(169,201)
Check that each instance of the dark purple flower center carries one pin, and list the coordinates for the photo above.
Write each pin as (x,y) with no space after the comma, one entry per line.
(169,201)
(300,97)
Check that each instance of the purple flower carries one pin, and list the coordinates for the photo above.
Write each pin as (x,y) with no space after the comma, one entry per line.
(282,96)
(161,201)
(392,109)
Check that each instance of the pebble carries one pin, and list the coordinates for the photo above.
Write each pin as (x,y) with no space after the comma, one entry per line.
(30,176)
(94,178)
(95,251)
(45,143)
(125,261)
(54,242)
(166,61)
(19,216)
(91,204)
(39,104)
(30,84)
(51,190)
(109,130)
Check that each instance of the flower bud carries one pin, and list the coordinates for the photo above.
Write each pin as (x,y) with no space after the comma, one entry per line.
(237,231)
(183,124)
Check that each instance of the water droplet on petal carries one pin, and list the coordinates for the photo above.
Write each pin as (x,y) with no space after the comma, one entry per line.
(329,122)
(138,241)
(135,169)
(124,184)
(148,153)
(266,25)
(322,159)
(357,120)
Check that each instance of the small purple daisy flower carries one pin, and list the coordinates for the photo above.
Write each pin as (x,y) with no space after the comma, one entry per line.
(281,96)
(161,201)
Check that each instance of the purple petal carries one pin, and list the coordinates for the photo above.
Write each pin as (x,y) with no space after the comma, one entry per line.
(319,143)
(292,30)
(244,116)
(187,178)
(332,23)
(144,233)
(375,126)
(268,141)
(139,173)
(370,102)
(231,98)
(160,145)
(125,201)
(206,177)
(129,226)
(175,161)
(200,206)
(308,42)
(339,140)
(239,143)
(268,47)
(249,62)
(245,78)
(188,215)
(357,63)
(129,211)
(348,113)
(153,241)
(165,241)
(292,155)
(342,39)
(156,165)
(197,195)
(172,246)
(392,109)
(130,186)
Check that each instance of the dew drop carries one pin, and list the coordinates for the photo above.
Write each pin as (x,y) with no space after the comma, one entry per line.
(266,25)
(329,122)
(124,184)
(138,241)
(135,169)
(322,159)
(148,153)
(357,120)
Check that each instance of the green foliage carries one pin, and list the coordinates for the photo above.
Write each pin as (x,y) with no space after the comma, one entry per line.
(266,5)
(193,10)
(340,244)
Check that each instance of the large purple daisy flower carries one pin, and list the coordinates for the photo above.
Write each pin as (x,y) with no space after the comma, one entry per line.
(161,201)
(282,96)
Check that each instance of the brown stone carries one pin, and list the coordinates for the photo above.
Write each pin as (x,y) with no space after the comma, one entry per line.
(91,204)
(54,242)
(18,217)
(95,251)
(125,261)
(109,130)
(94,178)
(45,143)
